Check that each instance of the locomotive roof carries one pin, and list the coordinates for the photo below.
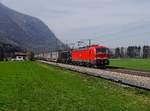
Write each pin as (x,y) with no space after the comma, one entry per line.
(99,46)
(94,46)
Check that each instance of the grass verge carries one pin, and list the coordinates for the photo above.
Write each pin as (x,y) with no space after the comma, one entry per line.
(137,64)
(31,86)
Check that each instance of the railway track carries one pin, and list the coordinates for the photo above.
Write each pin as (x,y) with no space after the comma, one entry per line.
(138,79)
(127,71)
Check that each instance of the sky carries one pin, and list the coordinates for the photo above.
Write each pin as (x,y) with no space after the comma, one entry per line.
(114,23)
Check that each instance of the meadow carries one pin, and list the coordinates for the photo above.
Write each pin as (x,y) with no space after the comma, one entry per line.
(32,86)
(137,64)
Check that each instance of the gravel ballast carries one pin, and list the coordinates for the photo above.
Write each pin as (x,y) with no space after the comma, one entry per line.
(128,79)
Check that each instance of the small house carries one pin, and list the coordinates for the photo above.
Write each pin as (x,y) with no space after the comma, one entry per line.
(22,56)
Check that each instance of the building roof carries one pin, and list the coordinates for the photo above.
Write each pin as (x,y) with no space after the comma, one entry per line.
(21,54)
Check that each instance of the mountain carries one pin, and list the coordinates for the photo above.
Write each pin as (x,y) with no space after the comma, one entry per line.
(25,31)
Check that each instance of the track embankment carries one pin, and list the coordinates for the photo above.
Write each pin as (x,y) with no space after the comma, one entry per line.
(124,78)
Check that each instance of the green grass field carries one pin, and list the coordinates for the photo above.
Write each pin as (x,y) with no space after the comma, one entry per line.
(31,86)
(139,64)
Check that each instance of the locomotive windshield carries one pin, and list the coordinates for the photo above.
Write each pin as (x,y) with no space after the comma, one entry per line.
(102,50)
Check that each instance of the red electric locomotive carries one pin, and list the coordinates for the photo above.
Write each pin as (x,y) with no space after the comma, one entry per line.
(94,55)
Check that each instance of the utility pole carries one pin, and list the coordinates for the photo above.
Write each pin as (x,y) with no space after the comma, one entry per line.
(56,45)
(89,42)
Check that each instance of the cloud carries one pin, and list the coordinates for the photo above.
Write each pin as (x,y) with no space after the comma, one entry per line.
(80,19)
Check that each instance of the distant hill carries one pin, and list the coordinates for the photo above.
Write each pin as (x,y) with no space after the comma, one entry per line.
(25,31)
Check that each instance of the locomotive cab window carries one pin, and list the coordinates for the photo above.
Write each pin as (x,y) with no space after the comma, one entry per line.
(102,50)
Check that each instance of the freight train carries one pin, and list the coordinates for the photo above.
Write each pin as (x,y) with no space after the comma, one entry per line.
(94,55)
